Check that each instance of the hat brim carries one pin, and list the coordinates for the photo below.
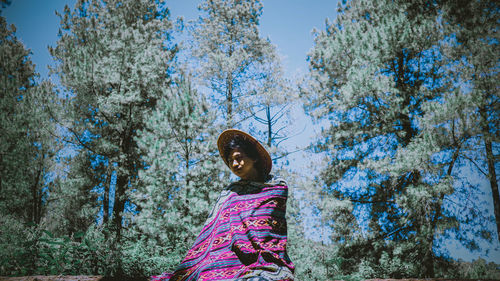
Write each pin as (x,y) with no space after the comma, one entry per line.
(228,135)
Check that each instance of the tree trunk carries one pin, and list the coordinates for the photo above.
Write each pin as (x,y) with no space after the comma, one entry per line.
(123,178)
(229,100)
(493,183)
(492,176)
(429,270)
(186,156)
(269,126)
(39,207)
(1,173)
(105,204)
(428,261)
(119,205)
(35,200)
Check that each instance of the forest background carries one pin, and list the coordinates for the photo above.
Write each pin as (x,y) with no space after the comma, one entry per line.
(109,166)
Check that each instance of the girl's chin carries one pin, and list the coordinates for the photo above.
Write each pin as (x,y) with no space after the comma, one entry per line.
(237,172)
(240,176)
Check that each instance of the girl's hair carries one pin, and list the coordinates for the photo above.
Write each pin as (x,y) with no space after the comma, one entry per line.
(241,142)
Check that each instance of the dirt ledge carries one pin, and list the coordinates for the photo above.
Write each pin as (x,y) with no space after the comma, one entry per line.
(53,277)
(101,278)
(68,278)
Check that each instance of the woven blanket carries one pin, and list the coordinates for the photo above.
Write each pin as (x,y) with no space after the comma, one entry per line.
(244,237)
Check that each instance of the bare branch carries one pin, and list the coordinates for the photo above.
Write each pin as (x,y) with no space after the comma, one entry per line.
(475,164)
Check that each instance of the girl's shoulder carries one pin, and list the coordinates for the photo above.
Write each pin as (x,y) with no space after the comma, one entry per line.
(274,180)
(247,187)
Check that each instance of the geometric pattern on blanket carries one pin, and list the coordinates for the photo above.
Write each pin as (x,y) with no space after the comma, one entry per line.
(244,237)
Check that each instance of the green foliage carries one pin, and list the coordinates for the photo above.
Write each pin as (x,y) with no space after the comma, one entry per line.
(27,152)
(407,90)
(115,57)
(478,269)
(472,107)
(146,257)
(234,60)
(379,75)
(16,242)
(27,249)
(21,162)
(73,207)
(182,179)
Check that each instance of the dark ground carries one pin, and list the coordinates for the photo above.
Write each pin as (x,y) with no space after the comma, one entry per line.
(101,278)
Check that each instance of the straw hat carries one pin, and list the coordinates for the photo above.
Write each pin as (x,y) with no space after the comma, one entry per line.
(228,135)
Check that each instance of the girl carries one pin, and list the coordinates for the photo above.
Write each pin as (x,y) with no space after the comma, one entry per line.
(245,235)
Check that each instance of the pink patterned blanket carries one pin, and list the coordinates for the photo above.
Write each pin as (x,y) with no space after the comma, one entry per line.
(244,237)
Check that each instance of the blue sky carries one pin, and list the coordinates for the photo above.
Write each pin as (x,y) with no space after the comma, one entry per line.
(287,23)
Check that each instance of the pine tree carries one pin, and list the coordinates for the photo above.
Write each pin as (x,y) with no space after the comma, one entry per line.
(473,104)
(72,207)
(39,104)
(26,146)
(231,53)
(27,152)
(17,76)
(115,58)
(313,259)
(271,102)
(182,175)
(372,70)
(457,130)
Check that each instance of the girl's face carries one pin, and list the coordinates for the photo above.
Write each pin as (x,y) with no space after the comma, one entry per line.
(242,165)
